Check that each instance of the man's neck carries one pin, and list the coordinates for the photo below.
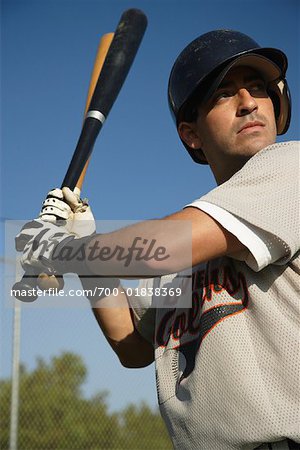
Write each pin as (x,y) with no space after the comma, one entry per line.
(225,170)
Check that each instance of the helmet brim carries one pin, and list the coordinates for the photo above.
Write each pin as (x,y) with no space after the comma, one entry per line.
(262,65)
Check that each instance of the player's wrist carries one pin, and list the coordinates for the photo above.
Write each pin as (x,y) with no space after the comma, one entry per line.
(96,288)
(71,255)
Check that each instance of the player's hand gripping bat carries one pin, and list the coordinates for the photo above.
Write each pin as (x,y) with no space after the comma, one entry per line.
(119,58)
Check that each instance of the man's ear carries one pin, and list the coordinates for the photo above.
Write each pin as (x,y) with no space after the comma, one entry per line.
(187,132)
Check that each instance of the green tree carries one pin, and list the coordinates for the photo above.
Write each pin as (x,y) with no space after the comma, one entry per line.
(54,415)
(144,429)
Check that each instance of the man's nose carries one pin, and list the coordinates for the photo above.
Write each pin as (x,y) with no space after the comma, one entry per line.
(246,103)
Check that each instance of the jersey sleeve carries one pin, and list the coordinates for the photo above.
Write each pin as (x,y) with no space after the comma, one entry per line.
(260,205)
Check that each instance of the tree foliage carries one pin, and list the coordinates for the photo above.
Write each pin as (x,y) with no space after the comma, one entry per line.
(54,415)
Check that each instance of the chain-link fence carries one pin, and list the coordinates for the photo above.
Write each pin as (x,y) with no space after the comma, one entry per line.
(50,410)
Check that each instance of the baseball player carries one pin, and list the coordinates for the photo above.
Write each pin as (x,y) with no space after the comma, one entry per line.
(227,367)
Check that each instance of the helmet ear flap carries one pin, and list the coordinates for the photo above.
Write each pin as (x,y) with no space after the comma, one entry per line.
(276,102)
(279,93)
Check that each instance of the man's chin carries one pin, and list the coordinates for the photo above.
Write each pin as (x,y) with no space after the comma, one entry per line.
(254,145)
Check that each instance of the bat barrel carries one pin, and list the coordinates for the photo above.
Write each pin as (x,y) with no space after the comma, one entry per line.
(122,51)
(120,56)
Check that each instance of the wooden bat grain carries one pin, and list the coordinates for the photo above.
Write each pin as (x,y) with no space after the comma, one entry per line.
(99,61)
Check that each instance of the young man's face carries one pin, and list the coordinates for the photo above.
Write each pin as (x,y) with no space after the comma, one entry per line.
(237,122)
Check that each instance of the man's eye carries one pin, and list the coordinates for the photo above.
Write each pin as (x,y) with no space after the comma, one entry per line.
(221,95)
(258,88)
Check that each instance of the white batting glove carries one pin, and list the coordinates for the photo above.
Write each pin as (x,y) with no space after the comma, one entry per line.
(38,240)
(55,242)
(63,216)
(66,205)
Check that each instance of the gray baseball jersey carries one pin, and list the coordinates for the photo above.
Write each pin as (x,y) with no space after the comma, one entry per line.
(228,368)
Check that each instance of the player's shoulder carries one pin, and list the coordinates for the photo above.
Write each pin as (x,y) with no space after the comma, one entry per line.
(277,164)
(281,148)
(279,159)
(278,150)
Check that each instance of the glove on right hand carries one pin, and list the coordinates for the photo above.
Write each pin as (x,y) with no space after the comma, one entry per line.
(65,205)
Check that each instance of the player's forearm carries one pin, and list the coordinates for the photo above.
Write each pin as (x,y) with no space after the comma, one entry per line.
(113,316)
(146,249)
(159,247)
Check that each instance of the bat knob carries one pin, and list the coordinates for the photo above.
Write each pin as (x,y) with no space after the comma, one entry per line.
(25,290)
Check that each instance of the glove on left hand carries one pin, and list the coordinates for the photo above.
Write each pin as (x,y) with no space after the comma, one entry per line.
(50,248)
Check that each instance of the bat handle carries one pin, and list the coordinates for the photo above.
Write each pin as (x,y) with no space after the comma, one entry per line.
(26,289)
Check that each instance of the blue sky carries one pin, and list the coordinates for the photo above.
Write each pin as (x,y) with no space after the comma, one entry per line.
(139,167)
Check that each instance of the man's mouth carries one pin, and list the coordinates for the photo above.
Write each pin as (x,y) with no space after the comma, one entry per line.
(251,126)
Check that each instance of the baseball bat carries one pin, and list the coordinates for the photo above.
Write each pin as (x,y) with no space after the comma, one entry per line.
(123,48)
(44,280)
